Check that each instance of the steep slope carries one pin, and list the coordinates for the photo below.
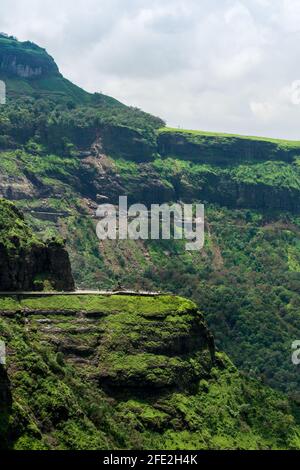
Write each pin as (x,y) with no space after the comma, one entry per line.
(26,263)
(211,148)
(236,171)
(27,69)
(92,372)
(64,112)
(25,60)
(61,155)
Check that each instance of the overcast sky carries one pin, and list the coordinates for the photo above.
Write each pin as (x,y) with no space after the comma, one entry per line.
(220,65)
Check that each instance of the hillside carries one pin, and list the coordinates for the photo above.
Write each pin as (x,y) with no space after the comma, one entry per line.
(60,156)
(118,372)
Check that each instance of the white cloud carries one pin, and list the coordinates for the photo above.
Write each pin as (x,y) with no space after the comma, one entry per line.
(225,66)
(291,15)
(263,111)
(238,65)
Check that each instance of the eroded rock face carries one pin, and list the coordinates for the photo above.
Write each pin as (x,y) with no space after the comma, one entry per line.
(221,150)
(16,188)
(23,70)
(26,270)
(25,60)
(25,262)
(140,344)
(224,190)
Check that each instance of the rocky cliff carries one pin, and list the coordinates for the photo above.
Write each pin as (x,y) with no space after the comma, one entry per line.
(223,149)
(25,262)
(25,60)
(126,372)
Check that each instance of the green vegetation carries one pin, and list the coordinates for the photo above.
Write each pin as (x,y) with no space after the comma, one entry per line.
(63,126)
(223,149)
(245,280)
(162,305)
(276,174)
(14,232)
(52,115)
(62,151)
(26,262)
(281,142)
(126,377)
(251,250)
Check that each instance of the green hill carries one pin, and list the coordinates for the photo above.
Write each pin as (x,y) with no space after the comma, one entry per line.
(28,70)
(61,155)
(128,373)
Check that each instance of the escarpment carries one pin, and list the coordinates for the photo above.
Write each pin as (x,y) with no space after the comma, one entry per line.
(91,372)
(139,344)
(26,263)
(222,149)
(67,140)
(25,60)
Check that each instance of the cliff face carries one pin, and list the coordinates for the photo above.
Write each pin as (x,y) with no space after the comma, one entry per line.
(223,149)
(134,344)
(25,60)
(35,269)
(119,372)
(25,262)
(225,189)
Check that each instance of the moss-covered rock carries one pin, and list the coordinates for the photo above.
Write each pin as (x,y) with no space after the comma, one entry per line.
(128,372)
(26,263)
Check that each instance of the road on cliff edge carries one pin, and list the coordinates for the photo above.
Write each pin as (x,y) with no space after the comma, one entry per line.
(87,292)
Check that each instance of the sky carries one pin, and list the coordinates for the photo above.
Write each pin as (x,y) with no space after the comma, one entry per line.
(218,65)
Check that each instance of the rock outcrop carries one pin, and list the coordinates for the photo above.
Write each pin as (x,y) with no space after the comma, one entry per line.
(25,262)
(25,60)
(35,269)
(223,149)
(128,372)
(133,343)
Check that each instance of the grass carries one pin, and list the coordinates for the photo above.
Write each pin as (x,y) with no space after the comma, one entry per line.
(281,142)
(163,305)
(9,165)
